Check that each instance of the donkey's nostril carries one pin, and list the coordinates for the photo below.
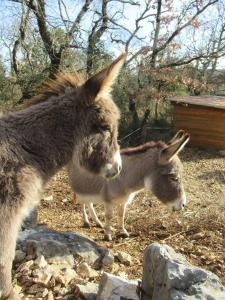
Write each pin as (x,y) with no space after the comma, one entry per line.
(111,174)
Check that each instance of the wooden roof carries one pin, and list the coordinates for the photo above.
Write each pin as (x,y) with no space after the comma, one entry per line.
(208,101)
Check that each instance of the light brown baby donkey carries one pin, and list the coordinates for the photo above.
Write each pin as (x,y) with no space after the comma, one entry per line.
(154,166)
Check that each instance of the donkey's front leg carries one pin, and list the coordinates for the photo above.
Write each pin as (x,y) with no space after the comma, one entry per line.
(121,208)
(9,226)
(108,221)
(85,217)
(94,215)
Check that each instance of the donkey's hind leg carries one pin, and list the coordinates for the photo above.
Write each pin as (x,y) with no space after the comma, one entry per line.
(9,225)
(94,215)
(121,208)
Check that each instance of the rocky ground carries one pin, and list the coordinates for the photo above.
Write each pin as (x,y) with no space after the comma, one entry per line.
(198,231)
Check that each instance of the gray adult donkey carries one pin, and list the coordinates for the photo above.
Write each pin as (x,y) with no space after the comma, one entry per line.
(70,120)
(154,166)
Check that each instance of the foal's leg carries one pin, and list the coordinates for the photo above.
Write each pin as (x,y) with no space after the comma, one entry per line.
(93,215)
(85,216)
(108,221)
(121,208)
(9,226)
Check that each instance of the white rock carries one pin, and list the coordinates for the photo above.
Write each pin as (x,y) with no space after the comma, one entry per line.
(69,274)
(65,276)
(85,271)
(40,262)
(113,288)
(48,198)
(124,258)
(42,275)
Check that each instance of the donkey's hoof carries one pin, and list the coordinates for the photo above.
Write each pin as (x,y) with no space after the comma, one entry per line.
(108,237)
(86,225)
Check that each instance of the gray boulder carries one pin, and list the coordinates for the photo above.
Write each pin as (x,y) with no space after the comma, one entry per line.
(60,246)
(168,276)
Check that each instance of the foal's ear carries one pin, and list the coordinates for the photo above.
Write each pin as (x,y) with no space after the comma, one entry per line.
(167,154)
(180,134)
(103,81)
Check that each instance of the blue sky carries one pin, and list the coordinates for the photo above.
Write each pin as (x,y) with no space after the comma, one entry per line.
(9,19)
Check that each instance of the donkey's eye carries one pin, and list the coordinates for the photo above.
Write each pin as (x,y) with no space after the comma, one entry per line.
(98,129)
(105,127)
(173,177)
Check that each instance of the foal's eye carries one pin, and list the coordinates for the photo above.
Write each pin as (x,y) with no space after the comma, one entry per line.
(173,177)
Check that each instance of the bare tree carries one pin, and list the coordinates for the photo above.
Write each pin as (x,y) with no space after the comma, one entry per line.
(160,14)
(38,8)
(98,29)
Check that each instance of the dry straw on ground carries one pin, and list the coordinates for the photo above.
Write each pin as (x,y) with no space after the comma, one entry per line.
(198,231)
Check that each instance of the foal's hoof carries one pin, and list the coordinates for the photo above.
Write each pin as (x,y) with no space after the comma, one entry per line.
(86,225)
(108,237)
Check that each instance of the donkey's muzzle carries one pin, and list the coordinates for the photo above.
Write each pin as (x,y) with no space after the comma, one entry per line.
(179,204)
(111,170)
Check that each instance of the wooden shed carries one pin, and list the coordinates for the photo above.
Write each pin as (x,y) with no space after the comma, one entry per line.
(203,117)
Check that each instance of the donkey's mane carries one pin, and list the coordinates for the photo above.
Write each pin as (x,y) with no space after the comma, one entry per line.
(142,148)
(56,86)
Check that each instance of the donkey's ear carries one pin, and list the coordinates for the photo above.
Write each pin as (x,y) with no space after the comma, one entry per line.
(167,154)
(180,134)
(103,81)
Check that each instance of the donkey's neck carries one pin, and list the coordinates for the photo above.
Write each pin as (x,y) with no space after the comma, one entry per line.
(137,168)
(47,132)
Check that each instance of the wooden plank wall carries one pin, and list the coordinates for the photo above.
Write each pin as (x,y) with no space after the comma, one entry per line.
(206,125)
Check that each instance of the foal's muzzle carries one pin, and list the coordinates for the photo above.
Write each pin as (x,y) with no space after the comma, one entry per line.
(111,170)
(180,203)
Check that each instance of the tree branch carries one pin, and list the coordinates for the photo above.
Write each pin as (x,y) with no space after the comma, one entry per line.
(82,12)
(179,29)
(20,40)
(197,57)
(95,35)
(157,30)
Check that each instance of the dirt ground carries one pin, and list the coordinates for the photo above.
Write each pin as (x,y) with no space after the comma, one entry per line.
(198,232)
